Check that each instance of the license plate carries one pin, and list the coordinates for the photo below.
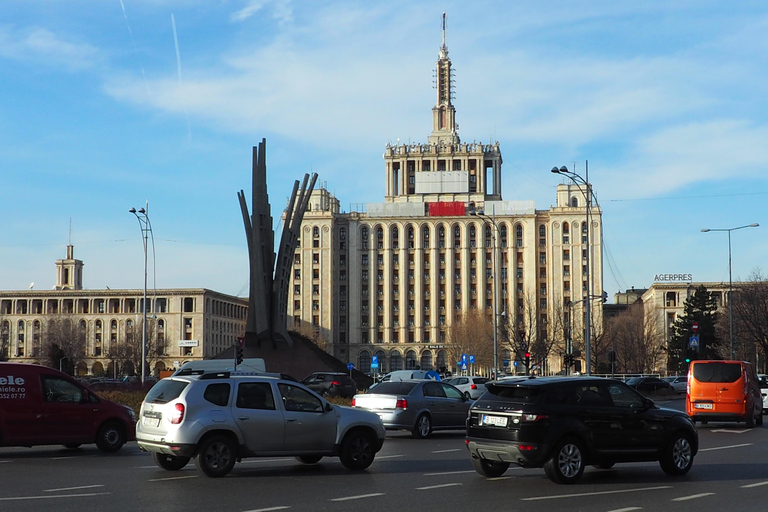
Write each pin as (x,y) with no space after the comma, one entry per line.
(703,406)
(151,422)
(498,421)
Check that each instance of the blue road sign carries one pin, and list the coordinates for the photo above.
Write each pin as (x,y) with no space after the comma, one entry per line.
(463,358)
(463,366)
(471,359)
(506,362)
(693,342)
(350,366)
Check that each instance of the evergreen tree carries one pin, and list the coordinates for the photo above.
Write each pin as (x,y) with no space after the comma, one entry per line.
(701,308)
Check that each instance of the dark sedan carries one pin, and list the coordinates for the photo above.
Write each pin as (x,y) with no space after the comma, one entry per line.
(650,385)
(420,406)
(331,384)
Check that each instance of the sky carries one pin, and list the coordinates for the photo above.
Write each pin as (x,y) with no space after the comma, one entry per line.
(111,104)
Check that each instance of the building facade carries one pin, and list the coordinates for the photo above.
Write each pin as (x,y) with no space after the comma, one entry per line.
(102,330)
(389,280)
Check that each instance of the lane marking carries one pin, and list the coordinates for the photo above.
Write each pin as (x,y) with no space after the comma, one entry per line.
(447,451)
(724,447)
(171,478)
(258,461)
(270,509)
(693,496)
(598,493)
(628,509)
(731,431)
(56,496)
(449,473)
(758,484)
(73,488)
(388,456)
(4,461)
(437,486)
(358,497)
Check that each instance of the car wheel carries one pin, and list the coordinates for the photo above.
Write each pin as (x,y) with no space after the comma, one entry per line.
(489,468)
(357,450)
(467,395)
(111,437)
(759,419)
(309,459)
(567,462)
(423,427)
(216,456)
(750,420)
(169,462)
(677,457)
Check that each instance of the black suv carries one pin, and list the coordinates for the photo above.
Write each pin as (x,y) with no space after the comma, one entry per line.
(565,423)
(331,384)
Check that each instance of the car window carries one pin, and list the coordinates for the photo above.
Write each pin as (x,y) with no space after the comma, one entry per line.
(393,388)
(460,381)
(524,394)
(451,392)
(717,372)
(433,389)
(255,395)
(218,393)
(298,399)
(60,390)
(592,394)
(480,380)
(165,391)
(623,396)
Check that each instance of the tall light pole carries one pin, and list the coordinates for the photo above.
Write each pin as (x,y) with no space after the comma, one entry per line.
(578,181)
(494,263)
(142,214)
(730,278)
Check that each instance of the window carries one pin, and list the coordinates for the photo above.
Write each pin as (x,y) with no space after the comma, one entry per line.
(189,305)
(217,394)
(255,395)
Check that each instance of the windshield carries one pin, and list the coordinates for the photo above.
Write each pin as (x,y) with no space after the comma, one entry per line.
(165,391)
(524,394)
(717,372)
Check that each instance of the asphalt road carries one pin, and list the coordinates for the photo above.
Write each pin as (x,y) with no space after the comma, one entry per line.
(730,472)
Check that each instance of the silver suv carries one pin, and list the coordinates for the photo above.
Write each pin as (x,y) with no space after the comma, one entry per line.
(220,418)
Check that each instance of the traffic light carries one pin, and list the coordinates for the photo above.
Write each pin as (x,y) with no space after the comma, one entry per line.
(688,355)
(527,359)
(239,354)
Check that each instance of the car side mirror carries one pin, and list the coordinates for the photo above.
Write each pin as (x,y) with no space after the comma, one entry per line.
(328,407)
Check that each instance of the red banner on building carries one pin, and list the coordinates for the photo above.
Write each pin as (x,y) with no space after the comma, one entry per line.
(447,209)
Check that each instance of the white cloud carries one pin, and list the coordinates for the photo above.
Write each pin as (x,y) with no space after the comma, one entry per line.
(281,10)
(40,45)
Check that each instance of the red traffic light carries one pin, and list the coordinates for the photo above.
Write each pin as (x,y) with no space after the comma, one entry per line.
(527,354)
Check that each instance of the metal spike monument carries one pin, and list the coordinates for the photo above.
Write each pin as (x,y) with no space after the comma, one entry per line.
(268,291)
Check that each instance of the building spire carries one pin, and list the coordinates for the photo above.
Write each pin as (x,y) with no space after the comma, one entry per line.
(444,129)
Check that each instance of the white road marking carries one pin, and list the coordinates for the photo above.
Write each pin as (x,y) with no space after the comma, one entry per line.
(447,451)
(730,431)
(436,486)
(628,509)
(171,478)
(358,497)
(449,473)
(724,447)
(55,496)
(74,488)
(693,496)
(600,493)
(256,461)
(270,509)
(758,484)
(4,461)
(388,456)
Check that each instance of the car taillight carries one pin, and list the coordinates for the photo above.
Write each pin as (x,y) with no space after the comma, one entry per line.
(526,447)
(534,417)
(353,402)
(473,386)
(335,383)
(401,403)
(178,414)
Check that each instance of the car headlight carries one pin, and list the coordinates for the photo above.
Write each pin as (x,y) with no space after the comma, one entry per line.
(131,413)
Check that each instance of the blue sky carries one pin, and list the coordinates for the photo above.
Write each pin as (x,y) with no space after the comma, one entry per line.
(107,104)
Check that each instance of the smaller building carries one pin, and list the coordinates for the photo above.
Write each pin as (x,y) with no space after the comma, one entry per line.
(100,332)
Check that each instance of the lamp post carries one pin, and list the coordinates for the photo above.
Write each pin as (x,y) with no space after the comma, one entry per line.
(142,215)
(730,278)
(578,181)
(494,263)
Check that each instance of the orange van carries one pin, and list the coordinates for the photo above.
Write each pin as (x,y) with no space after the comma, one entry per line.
(724,391)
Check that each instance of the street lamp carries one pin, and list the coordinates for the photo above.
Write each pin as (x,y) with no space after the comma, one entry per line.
(494,262)
(730,278)
(578,181)
(142,215)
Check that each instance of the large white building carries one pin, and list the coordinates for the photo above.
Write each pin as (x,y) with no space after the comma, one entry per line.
(105,327)
(389,280)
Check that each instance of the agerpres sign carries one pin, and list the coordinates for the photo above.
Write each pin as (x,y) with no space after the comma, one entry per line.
(669,278)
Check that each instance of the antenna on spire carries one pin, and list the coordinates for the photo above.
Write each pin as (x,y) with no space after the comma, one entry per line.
(70,231)
(443,30)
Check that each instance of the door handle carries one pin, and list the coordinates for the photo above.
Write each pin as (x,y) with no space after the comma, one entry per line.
(291,421)
(242,418)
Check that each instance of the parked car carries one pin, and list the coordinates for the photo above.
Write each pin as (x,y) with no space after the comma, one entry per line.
(650,385)
(763,379)
(331,384)
(679,383)
(40,406)
(472,387)
(564,424)
(220,418)
(420,406)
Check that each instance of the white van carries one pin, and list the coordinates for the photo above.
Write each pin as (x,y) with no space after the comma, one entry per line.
(255,364)
(411,374)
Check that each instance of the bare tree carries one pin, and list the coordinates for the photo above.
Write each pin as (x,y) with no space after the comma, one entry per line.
(65,342)
(750,319)
(5,340)
(636,340)
(472,333)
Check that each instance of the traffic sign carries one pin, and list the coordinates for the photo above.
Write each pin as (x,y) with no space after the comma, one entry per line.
(693,342)
(506,362)
(463,366)
(695,327)
(471,359)
(463,358)
(350,366)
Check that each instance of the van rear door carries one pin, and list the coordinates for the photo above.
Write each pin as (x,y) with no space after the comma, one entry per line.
(722,382)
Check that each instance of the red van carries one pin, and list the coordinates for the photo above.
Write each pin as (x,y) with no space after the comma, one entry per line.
(40,405)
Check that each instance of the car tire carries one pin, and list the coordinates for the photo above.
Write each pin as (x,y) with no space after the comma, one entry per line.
(750,420)
(423,427)
(169,462)
(467,395)
(357,450)
(566,464)
(216,456)
(489,468)
(110,437)
(309,459)
(759,419)
(677,457)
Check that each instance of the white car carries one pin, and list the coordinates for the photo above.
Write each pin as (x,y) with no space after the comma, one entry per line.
(470,387)
(764,391)
(679,383)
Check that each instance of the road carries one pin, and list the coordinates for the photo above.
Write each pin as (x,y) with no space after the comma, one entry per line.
(420,475)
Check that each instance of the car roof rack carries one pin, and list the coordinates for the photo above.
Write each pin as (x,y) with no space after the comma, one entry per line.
(238,373)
